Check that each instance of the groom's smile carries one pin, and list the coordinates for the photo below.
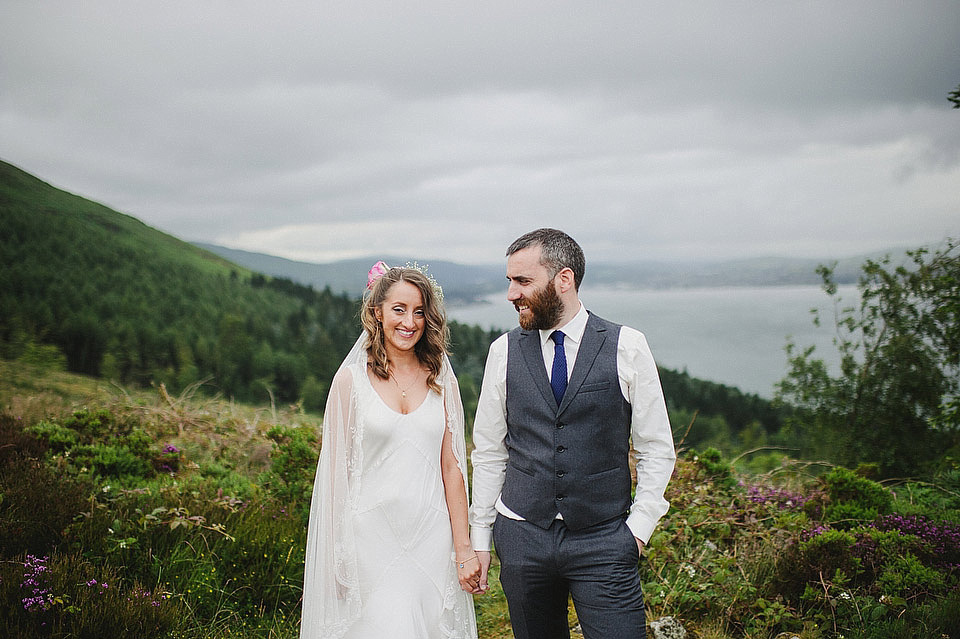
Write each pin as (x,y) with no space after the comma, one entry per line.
(542,310)
(532,291)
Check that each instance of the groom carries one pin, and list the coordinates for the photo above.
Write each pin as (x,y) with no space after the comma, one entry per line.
(561,399)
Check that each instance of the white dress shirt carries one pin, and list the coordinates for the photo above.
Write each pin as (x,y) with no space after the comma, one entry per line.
(650,429)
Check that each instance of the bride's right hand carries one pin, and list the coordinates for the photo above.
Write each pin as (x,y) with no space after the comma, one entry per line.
(468,572)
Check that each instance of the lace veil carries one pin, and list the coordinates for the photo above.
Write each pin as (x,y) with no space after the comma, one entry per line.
(331,595)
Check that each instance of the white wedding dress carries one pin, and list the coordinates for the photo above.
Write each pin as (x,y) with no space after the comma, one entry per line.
(383,566)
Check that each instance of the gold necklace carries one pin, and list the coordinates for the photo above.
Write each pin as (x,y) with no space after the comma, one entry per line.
(403,391)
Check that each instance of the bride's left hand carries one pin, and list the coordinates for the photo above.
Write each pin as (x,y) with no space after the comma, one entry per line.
(468,572)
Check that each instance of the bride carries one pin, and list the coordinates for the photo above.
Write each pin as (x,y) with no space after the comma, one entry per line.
(388,546)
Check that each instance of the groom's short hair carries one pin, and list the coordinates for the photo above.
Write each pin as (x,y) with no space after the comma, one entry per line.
(557,251)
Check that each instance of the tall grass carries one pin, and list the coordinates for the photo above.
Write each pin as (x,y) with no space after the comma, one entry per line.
(141,514)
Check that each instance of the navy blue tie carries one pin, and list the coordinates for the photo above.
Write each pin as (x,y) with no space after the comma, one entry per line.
(558,378)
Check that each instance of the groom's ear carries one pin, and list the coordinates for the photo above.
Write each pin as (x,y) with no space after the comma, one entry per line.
(565,280)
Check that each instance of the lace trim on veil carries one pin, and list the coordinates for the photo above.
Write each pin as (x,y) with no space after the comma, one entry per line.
(459,621)
(331,595)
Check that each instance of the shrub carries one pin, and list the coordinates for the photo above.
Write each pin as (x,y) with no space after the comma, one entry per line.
(852,497)
(875,579)
(91,423)
(56,437)
(293,466)
(37,503)
(876,549)
(226,480)
(826,553)
(711,461)
(68,596)
(108,460)
(221,555)
(168,459)
(907,577)
(95,441)
(941,538)
(15,442)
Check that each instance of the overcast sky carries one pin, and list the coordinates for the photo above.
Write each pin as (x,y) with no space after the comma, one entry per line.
(443,130)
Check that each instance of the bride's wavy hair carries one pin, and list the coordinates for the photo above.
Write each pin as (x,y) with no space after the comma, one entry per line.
(432,345)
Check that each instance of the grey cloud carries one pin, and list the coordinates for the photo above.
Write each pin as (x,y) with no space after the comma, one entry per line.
(721,128)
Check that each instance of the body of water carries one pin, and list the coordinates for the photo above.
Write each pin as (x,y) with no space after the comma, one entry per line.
(731,335)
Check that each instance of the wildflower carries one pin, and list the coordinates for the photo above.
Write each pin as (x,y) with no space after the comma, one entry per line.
(42,598)
(807,535)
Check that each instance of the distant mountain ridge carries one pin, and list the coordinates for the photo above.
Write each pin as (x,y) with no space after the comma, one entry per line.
(460,282)
(467,283)
(95,291)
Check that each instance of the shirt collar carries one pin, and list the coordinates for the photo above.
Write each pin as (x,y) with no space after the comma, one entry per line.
(572,330)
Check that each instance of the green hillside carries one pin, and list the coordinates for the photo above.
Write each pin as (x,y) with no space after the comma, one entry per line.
(100,293)
(164,513)
(97,292)
(121,300)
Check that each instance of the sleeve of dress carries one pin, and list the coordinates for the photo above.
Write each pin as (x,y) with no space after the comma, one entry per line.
(331,598)
(453,407)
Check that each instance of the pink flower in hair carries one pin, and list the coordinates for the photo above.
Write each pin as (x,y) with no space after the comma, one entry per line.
(375,272)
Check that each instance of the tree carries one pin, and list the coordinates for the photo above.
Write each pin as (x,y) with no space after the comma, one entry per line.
(894,402)
(954,96)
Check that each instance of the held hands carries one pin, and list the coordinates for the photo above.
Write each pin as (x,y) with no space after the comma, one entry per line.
(473,570)
(468,572)
(484,556)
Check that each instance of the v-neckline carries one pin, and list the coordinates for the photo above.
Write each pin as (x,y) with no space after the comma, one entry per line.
(366,376)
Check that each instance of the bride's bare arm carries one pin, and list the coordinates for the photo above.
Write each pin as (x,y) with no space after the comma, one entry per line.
(468,564)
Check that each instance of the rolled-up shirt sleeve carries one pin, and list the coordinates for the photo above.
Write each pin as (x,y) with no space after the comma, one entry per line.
(650,431)
(490,452)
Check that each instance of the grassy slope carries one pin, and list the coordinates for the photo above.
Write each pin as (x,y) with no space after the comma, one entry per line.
(127,301)
(714,562)
(24,194)
(158,305)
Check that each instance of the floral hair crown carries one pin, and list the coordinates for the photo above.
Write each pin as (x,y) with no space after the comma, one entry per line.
(377,270)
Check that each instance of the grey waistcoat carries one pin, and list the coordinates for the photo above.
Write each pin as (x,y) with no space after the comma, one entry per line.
(572,458)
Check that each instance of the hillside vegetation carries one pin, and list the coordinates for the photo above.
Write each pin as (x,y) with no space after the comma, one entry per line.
(160,427)
(105,295)
(127,513)
(117,299)
(123,301)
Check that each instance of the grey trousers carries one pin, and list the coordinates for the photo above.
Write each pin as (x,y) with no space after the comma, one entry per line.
(597,567)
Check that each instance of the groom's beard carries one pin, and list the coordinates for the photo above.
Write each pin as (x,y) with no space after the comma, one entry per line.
(544,309)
